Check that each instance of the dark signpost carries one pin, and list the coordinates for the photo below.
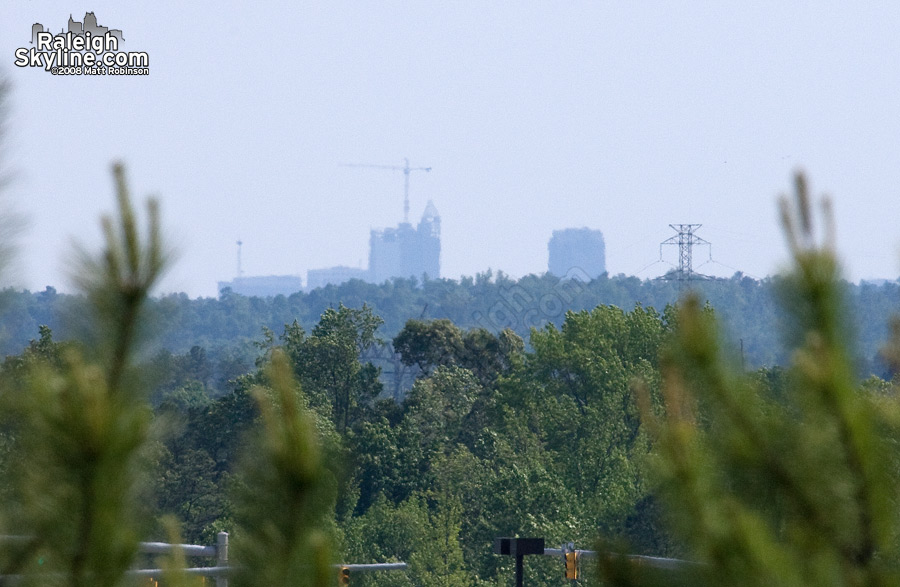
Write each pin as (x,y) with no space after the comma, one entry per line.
(518,548)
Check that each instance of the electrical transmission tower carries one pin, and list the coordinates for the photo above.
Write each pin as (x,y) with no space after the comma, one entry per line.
(685,239)
(405,169)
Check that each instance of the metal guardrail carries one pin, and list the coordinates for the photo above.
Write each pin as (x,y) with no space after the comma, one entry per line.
(216,572)
(372,567)
(187,549)
(220,571)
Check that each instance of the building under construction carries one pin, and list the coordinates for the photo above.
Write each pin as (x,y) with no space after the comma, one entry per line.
(402,251)
(405,251)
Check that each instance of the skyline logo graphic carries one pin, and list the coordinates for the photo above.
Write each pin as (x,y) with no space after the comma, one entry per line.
(86,48)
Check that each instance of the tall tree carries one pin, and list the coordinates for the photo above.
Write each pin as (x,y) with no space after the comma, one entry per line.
(437,343)
(574,392)
(285,500)
(327,361)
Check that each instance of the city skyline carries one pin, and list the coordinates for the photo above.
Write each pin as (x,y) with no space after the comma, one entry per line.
(532,117)
(88,25)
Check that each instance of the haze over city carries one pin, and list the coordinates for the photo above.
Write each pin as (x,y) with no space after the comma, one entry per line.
(533,117)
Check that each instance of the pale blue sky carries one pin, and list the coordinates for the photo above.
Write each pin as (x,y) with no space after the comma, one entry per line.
(535,116)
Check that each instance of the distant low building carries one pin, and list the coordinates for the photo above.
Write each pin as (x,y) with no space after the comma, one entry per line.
(334,276)
(264,286)
(579,249)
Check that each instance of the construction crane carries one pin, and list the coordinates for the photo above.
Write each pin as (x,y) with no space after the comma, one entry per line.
(406,169)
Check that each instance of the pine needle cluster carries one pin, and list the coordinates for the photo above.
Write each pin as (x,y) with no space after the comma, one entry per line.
(285,502)
(82,426)
(77,436)
(793,490)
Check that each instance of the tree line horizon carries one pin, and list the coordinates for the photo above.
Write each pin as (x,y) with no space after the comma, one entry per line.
(227,327)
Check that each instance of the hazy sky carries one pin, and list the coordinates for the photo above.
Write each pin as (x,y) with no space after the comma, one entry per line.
(535,116)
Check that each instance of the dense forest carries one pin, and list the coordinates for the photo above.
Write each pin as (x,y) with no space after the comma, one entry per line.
(491,439)
(498,434)
(223,334)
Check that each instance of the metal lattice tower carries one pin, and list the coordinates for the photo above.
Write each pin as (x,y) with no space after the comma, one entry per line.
(685,239)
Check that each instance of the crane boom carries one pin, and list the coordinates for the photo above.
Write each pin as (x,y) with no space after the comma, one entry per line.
(406,169)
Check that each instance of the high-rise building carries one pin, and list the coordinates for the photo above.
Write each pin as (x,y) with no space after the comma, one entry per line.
(35,29)
(577,249)
(75,27)
(405,251)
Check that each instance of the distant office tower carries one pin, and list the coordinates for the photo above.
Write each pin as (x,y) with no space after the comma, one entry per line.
(35,29)
(580,249)
(334,276)
(405,251)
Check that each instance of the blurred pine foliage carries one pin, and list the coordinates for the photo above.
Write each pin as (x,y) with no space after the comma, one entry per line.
(77,439)
(789,491)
